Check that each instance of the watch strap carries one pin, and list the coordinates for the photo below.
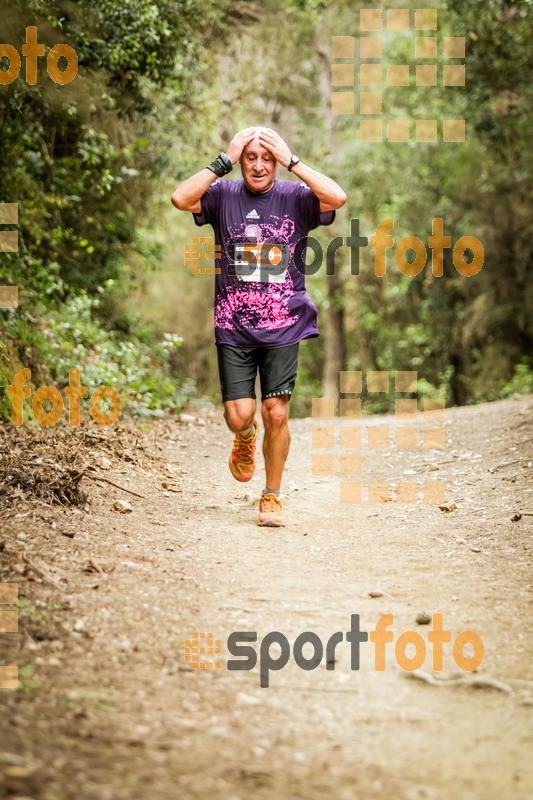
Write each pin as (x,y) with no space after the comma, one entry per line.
(221,165)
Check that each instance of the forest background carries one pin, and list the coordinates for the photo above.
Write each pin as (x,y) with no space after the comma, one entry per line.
(161,88)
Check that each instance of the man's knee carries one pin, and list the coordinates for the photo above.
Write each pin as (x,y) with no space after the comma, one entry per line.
(239,414)
(275,412)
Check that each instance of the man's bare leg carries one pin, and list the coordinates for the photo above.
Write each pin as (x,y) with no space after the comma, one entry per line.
(240,415)
(275,412)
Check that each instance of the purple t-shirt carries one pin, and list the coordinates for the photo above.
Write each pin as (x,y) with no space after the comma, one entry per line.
(254,313)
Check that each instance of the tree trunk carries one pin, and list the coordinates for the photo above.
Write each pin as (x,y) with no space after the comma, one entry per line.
(335,346)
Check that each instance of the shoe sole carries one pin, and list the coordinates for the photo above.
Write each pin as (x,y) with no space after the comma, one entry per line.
(271,524)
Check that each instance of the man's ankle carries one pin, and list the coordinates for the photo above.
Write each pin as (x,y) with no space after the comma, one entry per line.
(250,433)
(277,492)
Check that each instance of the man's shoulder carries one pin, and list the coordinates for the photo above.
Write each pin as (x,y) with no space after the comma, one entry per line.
(228,185)
(292,188)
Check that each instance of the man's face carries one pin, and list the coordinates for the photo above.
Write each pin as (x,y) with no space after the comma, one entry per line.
(258,167)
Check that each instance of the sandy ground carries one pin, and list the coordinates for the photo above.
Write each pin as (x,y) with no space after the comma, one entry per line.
(109,708)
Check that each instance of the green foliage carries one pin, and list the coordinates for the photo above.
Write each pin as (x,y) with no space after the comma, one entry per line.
(72,336)
(75,157)
(522,380)
(139,371)
(82,161)
(462,335)
(26,681)
(164,85)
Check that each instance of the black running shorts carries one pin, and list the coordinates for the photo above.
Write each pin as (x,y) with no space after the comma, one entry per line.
(238,371)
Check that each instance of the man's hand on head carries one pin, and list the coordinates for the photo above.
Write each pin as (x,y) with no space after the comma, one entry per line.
(273,142)
(238,143)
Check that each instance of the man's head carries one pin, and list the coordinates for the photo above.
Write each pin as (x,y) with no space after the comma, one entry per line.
(258,166)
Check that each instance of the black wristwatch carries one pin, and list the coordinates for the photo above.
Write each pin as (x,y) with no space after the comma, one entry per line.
(292,163)
(221,165)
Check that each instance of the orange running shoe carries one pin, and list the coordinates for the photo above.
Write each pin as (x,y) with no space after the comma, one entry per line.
(242,458)
(271,512)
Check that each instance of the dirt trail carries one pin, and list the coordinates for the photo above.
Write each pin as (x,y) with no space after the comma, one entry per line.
(111,710)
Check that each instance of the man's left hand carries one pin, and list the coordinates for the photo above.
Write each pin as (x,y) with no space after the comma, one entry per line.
(273,142)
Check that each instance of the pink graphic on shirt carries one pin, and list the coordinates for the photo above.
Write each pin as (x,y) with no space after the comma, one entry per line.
(258,305)
(252,232)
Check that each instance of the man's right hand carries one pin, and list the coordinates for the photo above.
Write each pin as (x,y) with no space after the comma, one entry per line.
(238,143)
(187,196)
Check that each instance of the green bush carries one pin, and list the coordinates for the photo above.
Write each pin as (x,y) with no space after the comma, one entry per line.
(522,380)
(72,336)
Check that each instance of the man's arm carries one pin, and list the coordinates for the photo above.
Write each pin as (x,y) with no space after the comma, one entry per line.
(329,193)
(187,196)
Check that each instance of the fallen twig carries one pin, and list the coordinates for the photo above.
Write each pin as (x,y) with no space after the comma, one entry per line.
(40,572)
(425,677)
(487,683)
(86,474)
(476,681)
(116,485)
(509,464)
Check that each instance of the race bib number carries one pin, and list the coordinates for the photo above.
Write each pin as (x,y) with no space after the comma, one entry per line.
(263,262)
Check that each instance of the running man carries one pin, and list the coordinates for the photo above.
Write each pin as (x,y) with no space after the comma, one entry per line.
(261,314)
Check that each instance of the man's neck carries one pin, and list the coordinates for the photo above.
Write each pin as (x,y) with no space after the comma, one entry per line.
(264,190)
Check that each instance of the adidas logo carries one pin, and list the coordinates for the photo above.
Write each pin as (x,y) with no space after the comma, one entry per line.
(253,214)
